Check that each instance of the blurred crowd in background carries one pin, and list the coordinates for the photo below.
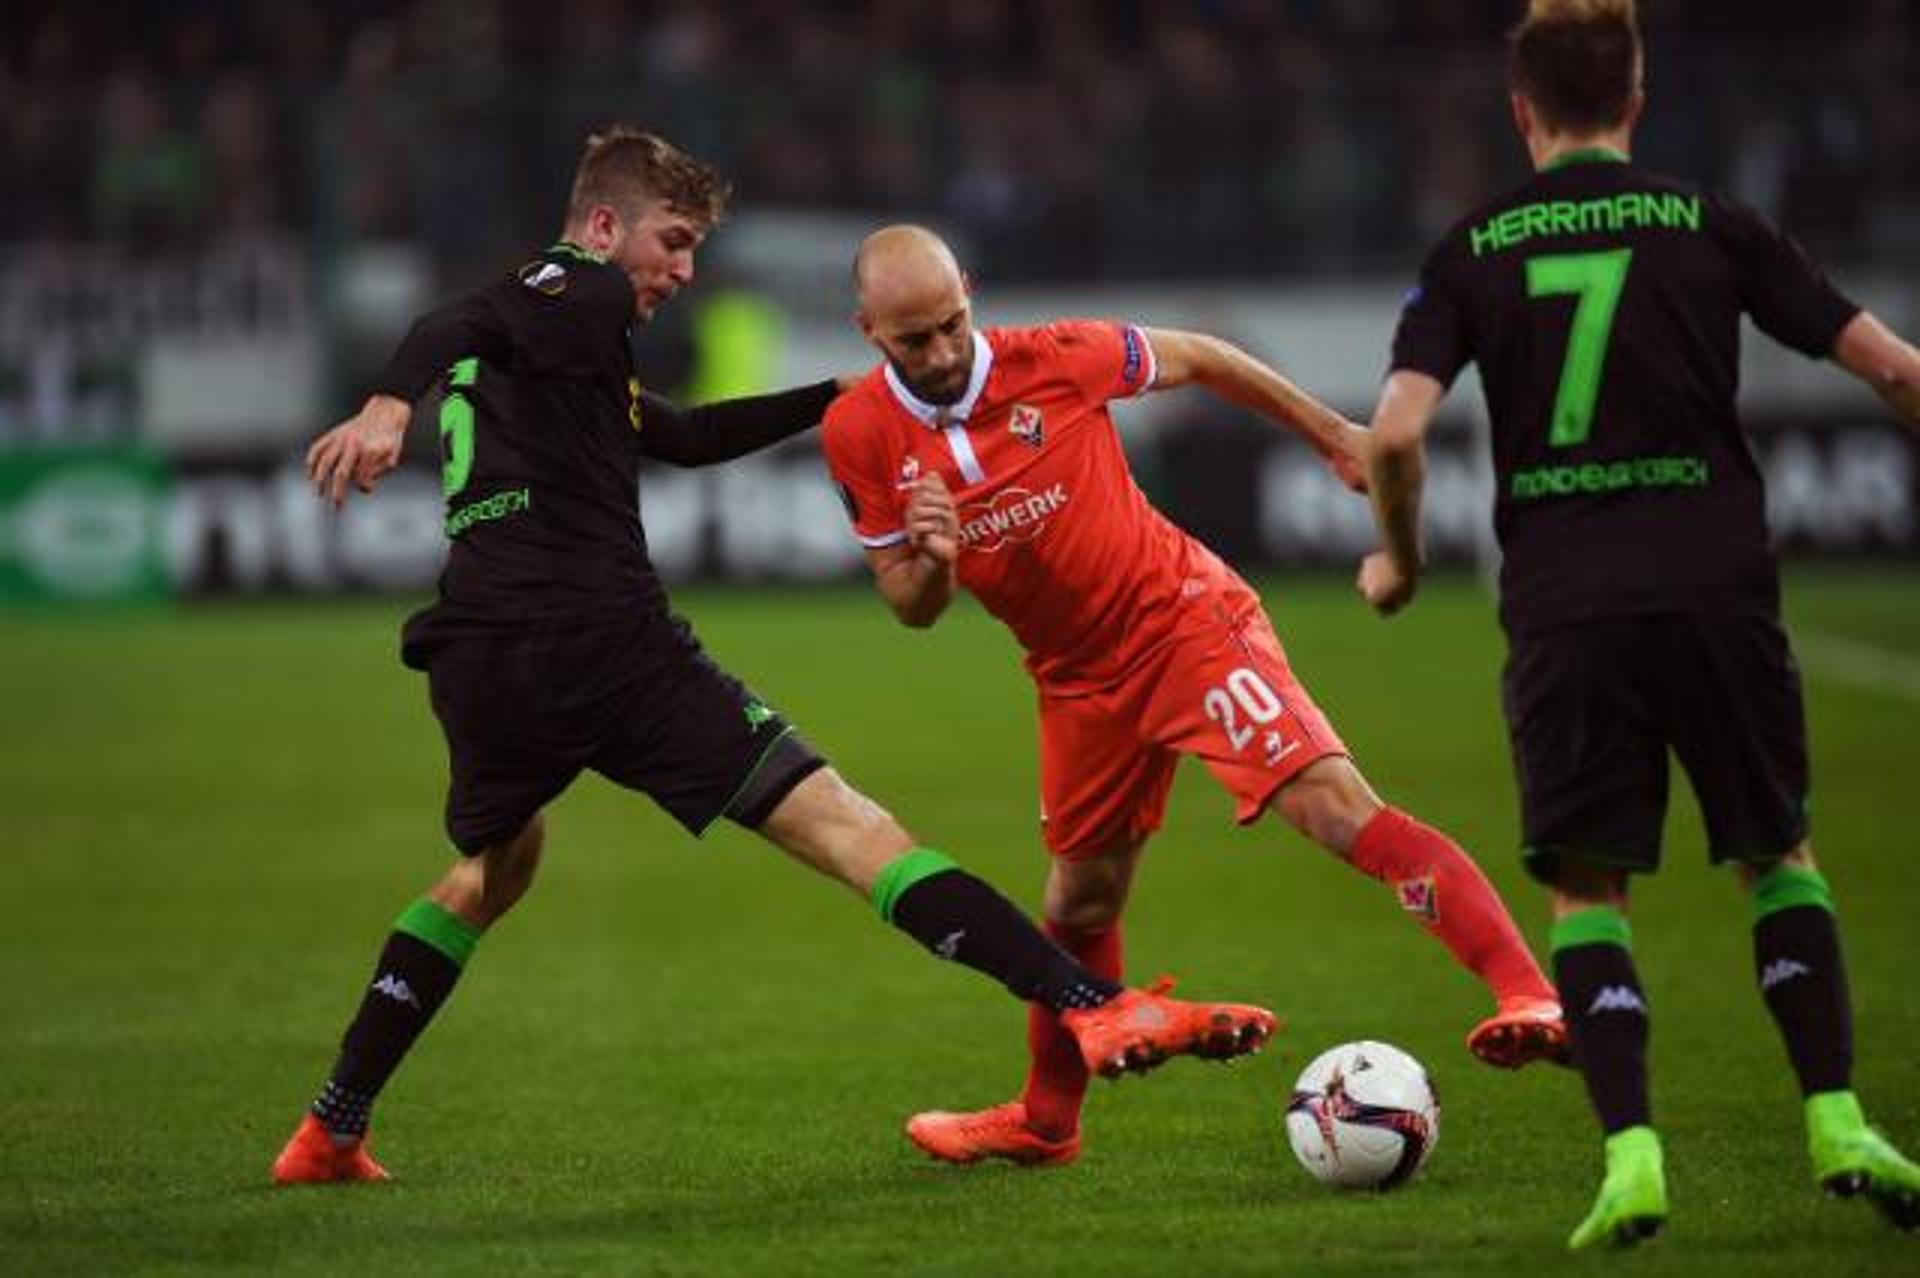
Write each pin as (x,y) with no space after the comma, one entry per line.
(1069,139)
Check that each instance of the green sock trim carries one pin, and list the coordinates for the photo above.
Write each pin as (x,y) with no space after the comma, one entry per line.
(902,873)
(1598,925)
(1786,887)
(429,921)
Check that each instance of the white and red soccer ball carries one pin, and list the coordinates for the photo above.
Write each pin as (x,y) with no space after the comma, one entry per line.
(1363,1116)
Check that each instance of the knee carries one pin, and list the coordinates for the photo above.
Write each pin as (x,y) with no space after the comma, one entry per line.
(1799,857)
(1578,885)
(483,887)
(1085,911)
(1330,805)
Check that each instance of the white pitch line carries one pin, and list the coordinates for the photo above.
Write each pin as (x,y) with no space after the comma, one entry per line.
(1861,665)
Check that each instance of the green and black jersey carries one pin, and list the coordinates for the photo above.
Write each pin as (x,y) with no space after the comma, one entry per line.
(542,430)
(1602,304)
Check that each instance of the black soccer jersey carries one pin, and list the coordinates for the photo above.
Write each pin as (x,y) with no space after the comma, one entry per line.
(1602,304)
(542,429)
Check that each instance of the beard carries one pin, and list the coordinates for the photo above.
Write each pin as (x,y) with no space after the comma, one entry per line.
(942,392)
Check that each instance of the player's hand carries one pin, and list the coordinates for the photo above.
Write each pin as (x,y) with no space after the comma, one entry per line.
(1383,585)
(1348,459)
(933,521)
(359,450)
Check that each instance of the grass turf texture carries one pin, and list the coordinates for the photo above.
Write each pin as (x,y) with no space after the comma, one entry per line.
(684,1058)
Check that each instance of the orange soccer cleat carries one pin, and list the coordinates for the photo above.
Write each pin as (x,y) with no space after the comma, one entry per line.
(1000,1132)
(311,1158)
(1523,1031)
(1141,1028)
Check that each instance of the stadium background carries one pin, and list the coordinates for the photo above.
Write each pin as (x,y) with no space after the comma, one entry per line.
(215,781)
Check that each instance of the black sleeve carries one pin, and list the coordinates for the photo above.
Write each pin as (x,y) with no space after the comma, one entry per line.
(731,428)
(1780,287)
(1432,335)
(468,327)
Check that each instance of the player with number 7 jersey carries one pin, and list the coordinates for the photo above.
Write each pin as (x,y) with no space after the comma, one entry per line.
(988,460)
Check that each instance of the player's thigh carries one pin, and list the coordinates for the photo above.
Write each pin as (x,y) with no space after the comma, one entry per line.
(699,742)
(1589,749)
(1101,786)
(1735,715)
(512,746)
(1229,697)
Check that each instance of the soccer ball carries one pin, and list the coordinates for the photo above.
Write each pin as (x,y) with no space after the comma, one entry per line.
(1363,1116)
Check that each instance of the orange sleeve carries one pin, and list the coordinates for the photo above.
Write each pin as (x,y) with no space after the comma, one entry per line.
(1106,360)
(857,461)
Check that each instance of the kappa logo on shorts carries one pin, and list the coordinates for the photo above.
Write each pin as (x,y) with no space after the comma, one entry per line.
(1419,896)
(949,947)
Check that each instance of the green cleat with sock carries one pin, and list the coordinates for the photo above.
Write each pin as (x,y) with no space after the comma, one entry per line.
(1633,1198)
(1850,1158)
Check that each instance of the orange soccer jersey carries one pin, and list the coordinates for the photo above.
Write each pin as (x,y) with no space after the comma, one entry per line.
(1111,602)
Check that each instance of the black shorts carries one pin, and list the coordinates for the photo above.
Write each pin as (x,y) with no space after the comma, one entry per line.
(1593,709)
(638,703)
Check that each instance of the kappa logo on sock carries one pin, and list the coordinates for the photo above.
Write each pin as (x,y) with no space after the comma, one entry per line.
(1617,998)
(949,945)
(395,988)
(1782,970)
(1419,896)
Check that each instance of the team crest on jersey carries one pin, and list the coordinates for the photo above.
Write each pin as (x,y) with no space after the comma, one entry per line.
(545,277)
(909,472)
(1025,425)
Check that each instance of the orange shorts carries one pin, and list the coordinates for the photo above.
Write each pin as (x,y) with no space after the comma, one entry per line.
(1222,693)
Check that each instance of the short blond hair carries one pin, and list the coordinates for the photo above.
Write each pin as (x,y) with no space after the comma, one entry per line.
(1577,61)
(623,166)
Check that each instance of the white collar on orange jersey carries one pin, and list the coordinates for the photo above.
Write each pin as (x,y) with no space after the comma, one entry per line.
(940,416)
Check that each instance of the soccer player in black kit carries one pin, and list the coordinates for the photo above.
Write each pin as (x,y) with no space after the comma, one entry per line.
(1639,590)
(551,648)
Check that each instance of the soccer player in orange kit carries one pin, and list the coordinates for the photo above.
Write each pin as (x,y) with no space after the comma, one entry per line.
(987,459)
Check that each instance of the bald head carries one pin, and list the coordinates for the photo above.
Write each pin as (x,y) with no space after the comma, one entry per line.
(913,308)
(904,266)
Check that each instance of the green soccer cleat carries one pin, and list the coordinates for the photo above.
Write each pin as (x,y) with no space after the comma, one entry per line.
(1850,1158)
(1633,1198)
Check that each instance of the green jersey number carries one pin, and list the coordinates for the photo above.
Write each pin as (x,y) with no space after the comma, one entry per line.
(456,428)
(1597,280)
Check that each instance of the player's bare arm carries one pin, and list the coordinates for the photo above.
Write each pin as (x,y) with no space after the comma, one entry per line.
(1883,360)
(1181,358)
(917,577)
(1396,475)
(359,450)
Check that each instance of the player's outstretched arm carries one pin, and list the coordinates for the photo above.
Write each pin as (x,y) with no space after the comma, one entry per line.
(917,577)
(1180,358)
(360,450)
(729,428)
(1396,475)
(1885,361)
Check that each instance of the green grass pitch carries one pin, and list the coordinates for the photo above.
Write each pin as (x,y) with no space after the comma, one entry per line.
(687,1058)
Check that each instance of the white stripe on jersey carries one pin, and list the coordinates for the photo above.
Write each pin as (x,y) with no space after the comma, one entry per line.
(962,449)
(884,539)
